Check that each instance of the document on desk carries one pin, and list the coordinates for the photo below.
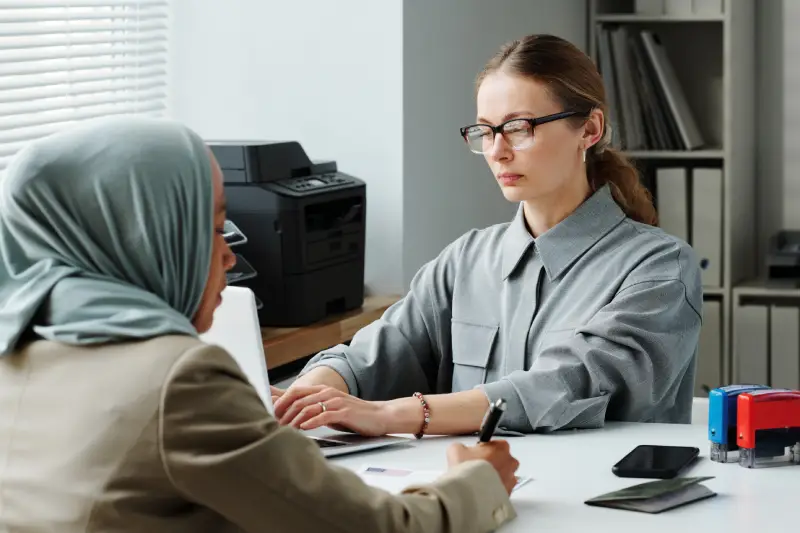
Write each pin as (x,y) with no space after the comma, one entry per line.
(394,480)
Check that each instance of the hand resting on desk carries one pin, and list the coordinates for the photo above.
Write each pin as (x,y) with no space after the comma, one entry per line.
(301,407)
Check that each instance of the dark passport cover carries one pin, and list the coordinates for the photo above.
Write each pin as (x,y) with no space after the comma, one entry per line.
(656,496)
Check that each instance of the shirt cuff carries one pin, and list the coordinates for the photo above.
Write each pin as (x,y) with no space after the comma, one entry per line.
(515,417)
(340,366)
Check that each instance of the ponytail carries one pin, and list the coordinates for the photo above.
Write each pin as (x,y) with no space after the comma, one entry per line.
(609,166)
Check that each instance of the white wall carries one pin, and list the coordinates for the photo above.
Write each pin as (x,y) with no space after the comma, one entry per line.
(447,190)
(327,74)
(382,89)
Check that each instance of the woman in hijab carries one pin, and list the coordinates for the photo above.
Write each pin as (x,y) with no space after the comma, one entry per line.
(114,416)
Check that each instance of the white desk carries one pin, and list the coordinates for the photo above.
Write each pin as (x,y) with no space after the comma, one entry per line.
(571,467)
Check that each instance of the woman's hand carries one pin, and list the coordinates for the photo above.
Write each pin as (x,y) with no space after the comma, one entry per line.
(496,452)
(302,407)
(276,393)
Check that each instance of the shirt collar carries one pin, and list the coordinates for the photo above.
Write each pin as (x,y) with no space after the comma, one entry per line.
(562,244)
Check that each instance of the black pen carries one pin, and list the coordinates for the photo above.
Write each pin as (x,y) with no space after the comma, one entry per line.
(491,420)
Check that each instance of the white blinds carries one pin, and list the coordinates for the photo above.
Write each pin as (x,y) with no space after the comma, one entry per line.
(70,60)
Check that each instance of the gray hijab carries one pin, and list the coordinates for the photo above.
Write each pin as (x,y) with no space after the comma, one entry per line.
(105,233)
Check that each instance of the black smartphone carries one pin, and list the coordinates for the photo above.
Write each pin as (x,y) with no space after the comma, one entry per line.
(657,462)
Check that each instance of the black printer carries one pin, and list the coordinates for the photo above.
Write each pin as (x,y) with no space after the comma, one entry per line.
(305,226)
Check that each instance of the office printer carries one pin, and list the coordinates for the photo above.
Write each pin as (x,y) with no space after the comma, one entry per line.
(783,255)
(305,226)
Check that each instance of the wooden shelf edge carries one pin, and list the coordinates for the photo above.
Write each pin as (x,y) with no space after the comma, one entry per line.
(286,345)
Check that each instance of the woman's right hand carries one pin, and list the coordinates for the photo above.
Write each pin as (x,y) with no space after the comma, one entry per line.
(496,452)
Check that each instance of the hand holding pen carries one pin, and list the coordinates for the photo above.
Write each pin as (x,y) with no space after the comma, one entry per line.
(495,452)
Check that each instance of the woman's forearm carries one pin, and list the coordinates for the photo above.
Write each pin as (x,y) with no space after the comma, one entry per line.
(323,375)
(457,413)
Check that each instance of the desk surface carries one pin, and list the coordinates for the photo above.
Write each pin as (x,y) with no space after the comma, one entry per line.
(570,467)
(286,345)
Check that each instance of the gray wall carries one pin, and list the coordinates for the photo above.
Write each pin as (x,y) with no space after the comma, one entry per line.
(779,118)
(447,190)
(383,90)
(770,124)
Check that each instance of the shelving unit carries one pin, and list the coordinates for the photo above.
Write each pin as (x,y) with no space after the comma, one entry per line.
(713,57)
(637,18)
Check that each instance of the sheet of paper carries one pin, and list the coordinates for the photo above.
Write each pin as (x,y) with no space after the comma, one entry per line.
(394,480)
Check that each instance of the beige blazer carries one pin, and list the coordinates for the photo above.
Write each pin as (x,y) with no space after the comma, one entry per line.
(167,435)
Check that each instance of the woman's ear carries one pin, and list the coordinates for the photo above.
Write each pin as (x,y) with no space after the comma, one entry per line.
(593,128)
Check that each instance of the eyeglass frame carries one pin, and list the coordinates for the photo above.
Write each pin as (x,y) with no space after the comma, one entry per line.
(532,121)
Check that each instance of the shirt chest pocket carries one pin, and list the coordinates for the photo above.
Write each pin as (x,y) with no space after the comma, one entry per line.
(472,348)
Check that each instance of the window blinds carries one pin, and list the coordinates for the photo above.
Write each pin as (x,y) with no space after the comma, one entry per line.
(62,62)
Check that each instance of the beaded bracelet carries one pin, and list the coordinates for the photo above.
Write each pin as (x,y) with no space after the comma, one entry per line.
(426,412)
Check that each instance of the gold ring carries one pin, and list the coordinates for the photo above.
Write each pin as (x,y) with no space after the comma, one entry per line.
(322,404)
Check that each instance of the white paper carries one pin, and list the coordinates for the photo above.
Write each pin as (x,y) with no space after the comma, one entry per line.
(395,480)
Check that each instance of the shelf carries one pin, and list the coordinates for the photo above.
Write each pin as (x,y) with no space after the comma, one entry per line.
(713,291)
(769,288)
(635,18)
(680,154)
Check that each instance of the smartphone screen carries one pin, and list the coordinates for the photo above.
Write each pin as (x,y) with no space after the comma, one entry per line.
(659,462)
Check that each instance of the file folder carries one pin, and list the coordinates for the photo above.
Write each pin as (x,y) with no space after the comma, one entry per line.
(678,7)
(707,223)
(708,7)
(709,350)
(650,7)
(750,349)
(785,347)
(672,201)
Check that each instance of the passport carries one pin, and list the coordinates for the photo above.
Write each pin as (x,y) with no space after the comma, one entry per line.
(656,496)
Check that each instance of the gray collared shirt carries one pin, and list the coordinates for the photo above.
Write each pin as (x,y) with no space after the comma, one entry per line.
(596,319)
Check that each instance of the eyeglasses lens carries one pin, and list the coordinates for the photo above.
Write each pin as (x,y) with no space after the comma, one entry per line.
(517,133)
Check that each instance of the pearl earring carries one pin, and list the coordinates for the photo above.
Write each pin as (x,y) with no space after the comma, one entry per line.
(584,156)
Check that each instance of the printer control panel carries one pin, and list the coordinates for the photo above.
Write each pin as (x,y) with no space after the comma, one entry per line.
(315,183)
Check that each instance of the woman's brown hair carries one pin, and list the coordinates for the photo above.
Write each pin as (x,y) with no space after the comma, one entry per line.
(573,80)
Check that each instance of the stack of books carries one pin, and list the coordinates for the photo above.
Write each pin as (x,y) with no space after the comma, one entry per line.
(648,106)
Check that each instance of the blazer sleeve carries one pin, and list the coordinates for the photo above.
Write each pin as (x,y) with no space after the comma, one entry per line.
(400,353)
(222,449)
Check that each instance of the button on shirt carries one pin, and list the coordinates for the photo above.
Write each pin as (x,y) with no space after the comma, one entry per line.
(596,319)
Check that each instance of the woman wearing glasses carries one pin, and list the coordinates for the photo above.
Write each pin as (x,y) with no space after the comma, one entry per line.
(578,311)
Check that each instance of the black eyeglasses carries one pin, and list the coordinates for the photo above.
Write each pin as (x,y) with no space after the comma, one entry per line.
(518,132)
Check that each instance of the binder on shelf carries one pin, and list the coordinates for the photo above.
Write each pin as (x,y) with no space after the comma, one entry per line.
(627,87)
(750,354)
(672,90)
(709,350)
(708,7)
(680,8)
(672,201)
(785,347)
(650,7)
(647,106)
(608,72)
(707,223)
